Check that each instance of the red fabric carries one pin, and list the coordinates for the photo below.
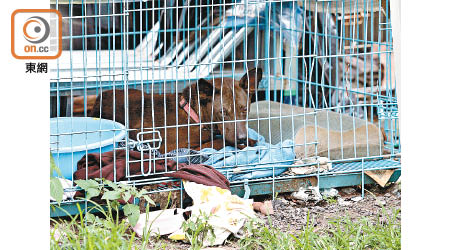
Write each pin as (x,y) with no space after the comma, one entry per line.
(107,160)
(201,174)
(197,173)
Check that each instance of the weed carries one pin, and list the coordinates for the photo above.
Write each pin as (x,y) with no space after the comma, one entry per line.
(89,231)
(342,234)
(198,230)
(330,200)
(119,192)
(107,231)
(56,189)
(261,236)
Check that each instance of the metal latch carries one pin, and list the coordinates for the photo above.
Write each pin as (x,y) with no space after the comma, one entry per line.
(149,144)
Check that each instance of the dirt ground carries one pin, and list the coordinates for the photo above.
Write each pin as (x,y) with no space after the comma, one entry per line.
(290,214)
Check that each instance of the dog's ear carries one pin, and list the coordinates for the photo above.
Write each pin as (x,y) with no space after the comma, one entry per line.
(250,80)
(206,90)
(205,87)
(202,90)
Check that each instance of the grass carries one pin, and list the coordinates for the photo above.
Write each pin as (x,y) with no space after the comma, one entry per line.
(198,231)
(108,231)
(330,200)
(343,233)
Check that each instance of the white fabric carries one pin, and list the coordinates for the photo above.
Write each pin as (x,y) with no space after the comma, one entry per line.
(160,222)
(228,212)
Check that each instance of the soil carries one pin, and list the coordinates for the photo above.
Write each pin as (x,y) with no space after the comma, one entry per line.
(291,214)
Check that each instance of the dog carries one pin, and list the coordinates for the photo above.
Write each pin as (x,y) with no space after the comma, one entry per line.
(221,105)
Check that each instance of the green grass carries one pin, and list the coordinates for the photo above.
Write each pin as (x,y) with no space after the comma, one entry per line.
(342,234)
(105,230)
(330,200)
(198,231)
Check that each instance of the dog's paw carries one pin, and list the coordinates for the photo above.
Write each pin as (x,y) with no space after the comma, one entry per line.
(252,142)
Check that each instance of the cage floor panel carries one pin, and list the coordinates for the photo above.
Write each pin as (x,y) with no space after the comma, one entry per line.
(368,165)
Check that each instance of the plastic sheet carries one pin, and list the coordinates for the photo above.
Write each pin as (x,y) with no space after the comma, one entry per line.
(286,17)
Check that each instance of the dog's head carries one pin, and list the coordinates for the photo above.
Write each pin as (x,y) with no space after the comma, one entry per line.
(227,103)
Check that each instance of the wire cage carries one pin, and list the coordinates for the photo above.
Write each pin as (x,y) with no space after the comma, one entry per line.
(275,95)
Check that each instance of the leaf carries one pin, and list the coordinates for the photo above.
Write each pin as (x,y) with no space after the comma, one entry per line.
(115,205)
(92,192)
(132,212)
(111,195)
(141,193)
(125,186)
(53,167)
(56,189)
(126,196)
(130,208)
(89,218)
(149,200)
(86,184)
(111,184)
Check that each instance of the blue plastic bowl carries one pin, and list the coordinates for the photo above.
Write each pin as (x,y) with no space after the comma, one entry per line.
(73,137)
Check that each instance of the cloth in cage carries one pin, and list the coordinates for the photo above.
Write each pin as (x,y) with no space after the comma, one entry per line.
(184,155)
(114,163)
(262,160)
(201,174)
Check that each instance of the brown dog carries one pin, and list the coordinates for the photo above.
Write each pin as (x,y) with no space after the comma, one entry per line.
(222,106)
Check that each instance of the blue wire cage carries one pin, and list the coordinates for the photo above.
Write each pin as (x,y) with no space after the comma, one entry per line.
(328,89)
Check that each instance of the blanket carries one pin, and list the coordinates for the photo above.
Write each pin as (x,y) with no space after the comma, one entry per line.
(113,167)
(262,160)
